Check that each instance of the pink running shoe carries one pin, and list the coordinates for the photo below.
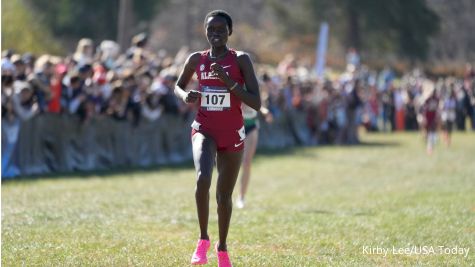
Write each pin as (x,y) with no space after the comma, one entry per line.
(223,257)
(199,256)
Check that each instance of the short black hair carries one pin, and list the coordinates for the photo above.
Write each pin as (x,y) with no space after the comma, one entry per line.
(223,14)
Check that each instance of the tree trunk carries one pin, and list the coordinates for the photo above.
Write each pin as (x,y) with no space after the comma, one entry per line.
(353,34)
(124,23)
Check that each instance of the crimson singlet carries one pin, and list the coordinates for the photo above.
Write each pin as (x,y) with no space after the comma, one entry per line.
(219,109)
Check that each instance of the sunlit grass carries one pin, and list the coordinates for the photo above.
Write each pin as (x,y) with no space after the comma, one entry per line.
(306,207)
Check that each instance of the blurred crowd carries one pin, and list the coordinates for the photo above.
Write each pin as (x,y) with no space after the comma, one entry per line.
(336,105)
(138,84)
(92,81)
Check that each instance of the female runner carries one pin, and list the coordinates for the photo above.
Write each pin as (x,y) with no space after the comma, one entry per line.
(218,129)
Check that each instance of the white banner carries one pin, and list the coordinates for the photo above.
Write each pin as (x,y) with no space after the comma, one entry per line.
(321,52)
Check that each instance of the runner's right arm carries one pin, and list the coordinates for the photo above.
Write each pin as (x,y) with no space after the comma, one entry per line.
(184,78)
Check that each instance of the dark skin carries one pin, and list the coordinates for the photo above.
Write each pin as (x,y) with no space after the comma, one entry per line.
(204,147)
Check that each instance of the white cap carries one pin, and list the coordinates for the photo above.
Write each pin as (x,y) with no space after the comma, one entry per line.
(7,65)
(19,86)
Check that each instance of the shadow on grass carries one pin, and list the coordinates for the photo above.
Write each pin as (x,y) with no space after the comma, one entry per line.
(319,211)
(341,212)
(297,151)
(302,151)
(363,144)
(123,170)
(273,152)
(378,144)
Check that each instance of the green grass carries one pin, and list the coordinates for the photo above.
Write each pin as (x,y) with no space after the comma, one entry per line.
(306,207)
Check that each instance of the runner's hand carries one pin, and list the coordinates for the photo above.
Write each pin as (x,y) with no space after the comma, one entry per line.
(219,71)
(192,96)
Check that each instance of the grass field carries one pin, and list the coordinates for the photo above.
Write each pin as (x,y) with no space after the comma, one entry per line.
(321,206)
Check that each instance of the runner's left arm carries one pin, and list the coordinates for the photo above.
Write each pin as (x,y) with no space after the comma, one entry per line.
(251,96)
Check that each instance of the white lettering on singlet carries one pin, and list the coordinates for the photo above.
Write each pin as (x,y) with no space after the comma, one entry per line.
(209,75)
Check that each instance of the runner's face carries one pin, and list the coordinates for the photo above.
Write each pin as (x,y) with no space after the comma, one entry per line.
(217,31)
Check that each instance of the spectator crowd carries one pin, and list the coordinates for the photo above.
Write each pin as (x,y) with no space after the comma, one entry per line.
(138,85)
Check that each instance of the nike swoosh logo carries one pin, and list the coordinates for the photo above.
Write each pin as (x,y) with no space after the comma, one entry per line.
(224,67)
(236,145)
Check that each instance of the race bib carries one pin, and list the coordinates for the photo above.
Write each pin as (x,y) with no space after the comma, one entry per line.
(215,98)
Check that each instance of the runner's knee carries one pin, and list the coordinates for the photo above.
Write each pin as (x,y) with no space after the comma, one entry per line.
(223,198)
(203,183)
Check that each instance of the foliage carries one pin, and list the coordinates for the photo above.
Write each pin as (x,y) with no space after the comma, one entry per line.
(89,18)
(403,26)
(23,32)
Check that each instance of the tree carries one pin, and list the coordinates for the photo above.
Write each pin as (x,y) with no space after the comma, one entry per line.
(405,26)
(90,18)
(22,32)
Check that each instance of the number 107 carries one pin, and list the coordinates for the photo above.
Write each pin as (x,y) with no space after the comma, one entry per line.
(214,99)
